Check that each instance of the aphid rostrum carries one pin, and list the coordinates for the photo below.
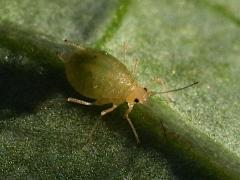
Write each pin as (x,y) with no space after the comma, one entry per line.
(100,76)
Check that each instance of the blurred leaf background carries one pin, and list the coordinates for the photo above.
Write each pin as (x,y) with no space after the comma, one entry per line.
(179,41)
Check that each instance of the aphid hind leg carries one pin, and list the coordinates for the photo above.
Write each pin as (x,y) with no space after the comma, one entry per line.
(78,101)
(130,107)
(104,112)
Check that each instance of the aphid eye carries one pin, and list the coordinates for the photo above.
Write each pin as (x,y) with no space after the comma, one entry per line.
(95,56)
(145,89)
(136,100)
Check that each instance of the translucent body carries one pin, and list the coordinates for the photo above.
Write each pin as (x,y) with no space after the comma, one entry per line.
(100,76)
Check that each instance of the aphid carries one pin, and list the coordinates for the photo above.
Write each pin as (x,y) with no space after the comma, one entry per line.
(100,76)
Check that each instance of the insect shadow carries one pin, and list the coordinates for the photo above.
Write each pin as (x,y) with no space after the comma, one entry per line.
(23,88)
(29,73)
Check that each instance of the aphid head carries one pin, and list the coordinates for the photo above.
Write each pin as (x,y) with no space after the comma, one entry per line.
(138,95)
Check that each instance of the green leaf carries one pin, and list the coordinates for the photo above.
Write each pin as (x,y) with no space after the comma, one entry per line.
(43,136)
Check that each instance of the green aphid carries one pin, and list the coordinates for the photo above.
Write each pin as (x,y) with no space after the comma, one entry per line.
(100,76)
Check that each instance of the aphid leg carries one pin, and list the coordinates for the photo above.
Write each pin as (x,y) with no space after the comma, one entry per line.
(59,56)
(73,44)
(78,101)
(130,107)
(109,110)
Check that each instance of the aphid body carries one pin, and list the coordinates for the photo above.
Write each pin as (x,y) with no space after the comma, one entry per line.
(100,76)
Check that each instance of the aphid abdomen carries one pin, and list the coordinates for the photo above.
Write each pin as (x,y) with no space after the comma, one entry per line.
(98,76)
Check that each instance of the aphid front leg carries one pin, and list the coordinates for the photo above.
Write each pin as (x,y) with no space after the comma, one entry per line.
(130,107)
(78,101)
(109,110)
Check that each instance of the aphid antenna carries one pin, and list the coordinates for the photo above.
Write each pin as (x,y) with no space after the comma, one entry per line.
(125,49)
(135,66)
(173,90)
